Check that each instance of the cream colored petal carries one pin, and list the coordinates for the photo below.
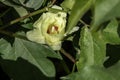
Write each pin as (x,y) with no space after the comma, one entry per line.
(35,35)
(56,46)
(56,7)
(38,23)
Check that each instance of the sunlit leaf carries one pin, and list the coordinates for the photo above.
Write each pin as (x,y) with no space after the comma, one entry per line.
(92,49)
(99,48)
(87,49)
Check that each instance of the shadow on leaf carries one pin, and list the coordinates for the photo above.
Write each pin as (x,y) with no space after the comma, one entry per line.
(22,70)
(113,53)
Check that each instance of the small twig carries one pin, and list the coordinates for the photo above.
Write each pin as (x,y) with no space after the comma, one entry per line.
(83,22)
(5,12)
(53,1)
(67,55)
(73,69)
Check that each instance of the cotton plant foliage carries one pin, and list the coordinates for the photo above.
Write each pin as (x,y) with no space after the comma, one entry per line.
(72,37)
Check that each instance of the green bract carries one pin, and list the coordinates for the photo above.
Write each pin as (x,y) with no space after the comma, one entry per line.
(49,29)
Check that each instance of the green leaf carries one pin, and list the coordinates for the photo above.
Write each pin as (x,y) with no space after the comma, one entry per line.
(99,48)
(87,49)
(79,9)
(92,49)
(96,73)
(21,69)
(28,25)
(91,73)
(115,70)
(108,35)
(111,32)
(33,52)
(5,47)
(32,3)
(105,10)
(21,11)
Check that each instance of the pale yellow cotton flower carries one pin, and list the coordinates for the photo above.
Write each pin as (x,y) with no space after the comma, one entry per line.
(49,29)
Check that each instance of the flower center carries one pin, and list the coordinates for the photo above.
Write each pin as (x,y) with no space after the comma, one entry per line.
(52,29)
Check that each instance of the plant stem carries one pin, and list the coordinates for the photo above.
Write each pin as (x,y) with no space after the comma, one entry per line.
(24,17)
(83,22)
(67,55)
(73,69)
(53,1)
(5,12)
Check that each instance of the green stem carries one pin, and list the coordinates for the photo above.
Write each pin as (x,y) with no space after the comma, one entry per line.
(83,23)
(73,69)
